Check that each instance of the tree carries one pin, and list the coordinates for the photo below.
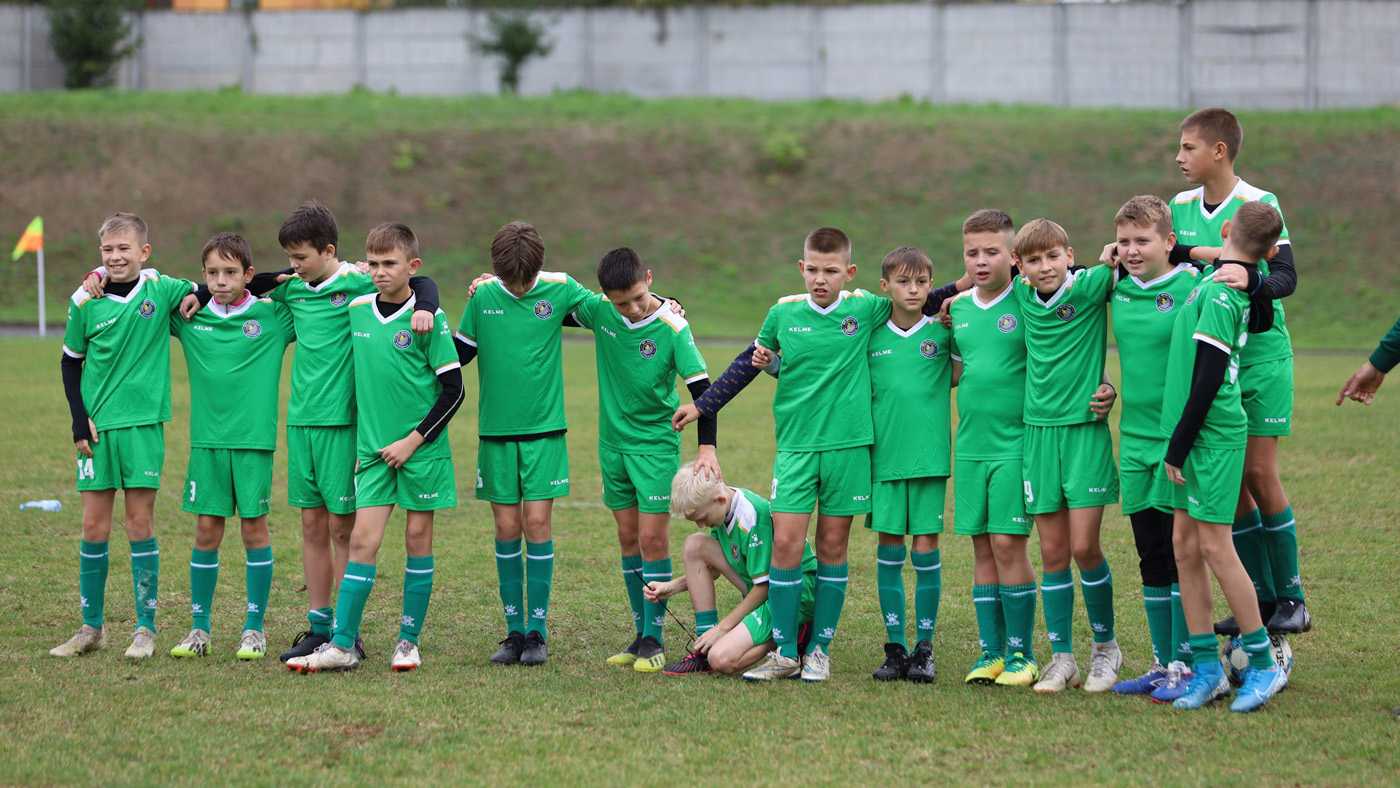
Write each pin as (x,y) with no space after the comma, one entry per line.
(514,38)
(90,37)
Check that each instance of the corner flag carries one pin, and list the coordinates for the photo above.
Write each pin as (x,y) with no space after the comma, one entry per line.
(31,241)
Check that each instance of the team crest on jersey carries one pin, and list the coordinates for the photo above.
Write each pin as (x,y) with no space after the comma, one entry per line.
(148,308)
(1065,312)
(543,309)
(1006,324)
(850,326)
(1165,302)
(403,339)
(928,348)
(339,299)
(251,329)
(1191,299)
(647,348)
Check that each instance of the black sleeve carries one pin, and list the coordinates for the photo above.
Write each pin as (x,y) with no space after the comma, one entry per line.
(1181,253)
(1282,279)
(425,293)
(72,369)
(1206,377)
(935,299)
(708,425)
(740,374)
(261,285)
(466,351)
(447,404)
(570,321)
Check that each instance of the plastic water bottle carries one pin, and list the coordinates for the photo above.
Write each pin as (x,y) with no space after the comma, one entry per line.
(48,505)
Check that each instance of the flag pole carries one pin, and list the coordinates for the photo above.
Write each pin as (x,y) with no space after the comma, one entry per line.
(43,322)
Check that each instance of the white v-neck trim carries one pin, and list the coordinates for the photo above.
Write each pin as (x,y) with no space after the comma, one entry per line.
(397,314)
(1069,280)
(732,516)
(1178,268)
(533,284)
(841,296)
(1004,293)
(923,321)
(340,269)
(1210,215)
(223,312)
(665,306)
(126,299)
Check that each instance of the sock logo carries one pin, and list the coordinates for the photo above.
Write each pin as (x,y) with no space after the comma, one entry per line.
(537,613)
(828,632)
(658,622)
(1014,642)
(1097,626)
(891,619)
(406,621)
(1295,581)
(777,634)
(252,607)
(1052,636)
(83,601)
(196,608)
(925,623)
(510,610)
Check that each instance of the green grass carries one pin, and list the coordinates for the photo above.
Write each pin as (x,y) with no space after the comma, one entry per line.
(100,719)
(691,183)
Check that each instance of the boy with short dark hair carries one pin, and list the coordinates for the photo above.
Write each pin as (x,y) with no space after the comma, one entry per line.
(236,340)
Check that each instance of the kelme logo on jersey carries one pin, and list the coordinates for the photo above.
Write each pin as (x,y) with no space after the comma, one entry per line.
(403,339)
(251,329)
(850,326)
(1006,324)
(1165,302)
(148,308)
(928,348)
(339,299)
(1065,312)
(647,348)
(543,309)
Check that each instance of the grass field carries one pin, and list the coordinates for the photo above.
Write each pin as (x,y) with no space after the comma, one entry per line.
(101,719)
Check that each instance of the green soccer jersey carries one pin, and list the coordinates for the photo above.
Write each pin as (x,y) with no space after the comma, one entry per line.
(746,537)
(234,355)
(911,379)
(989,340)
(396,373)
(1065,344)
(823,397)
(637,368)
(1195,226)
(519,362)
(1143,316)
(1219,316)
(323,382)
(124,342)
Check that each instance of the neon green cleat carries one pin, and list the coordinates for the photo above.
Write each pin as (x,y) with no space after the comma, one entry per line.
(985,670)
(627,656)
(253,645)
(1021,671)
(650,657)
(195,644)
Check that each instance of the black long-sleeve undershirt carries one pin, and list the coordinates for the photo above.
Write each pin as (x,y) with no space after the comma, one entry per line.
(449,398)
(1281,282)
(72,370)
(707,427)
(1206,376)
(425,290)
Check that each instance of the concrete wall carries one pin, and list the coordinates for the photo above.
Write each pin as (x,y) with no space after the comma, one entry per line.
(1242,53)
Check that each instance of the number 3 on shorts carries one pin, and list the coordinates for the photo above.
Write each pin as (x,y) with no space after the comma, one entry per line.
(1030,496)
(191,490)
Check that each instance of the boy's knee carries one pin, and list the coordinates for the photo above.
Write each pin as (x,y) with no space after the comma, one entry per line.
(653,545)
(1088,555)
(722,661)
(694,546)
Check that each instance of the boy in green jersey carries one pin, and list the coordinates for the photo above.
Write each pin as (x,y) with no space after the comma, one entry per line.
(1067,467)
(737,547)
(1205,458)
(1149,294)
(407,388)
(988,503)
(642,346)
(116,377)
(512,326)
(235,340)
(822,417)
(1265,528)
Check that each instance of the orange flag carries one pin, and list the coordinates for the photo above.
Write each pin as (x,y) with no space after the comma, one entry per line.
(32,240)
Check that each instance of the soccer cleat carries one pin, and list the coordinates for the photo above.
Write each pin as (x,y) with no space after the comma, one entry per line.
(1105,660)
(1291,617)
(304,644)
(1259,686)
(253,645)
(920,667)
(195,644)
(985,670)
(328,658)
(651,658)
(406,657)
(1226,627)
(509,652)
(535,651)
(894,664)
(143,644)
(773,666)
(625,657)
(359,648)
(86,639)
(816,665)
(692,663)
(1208,685)
(1062,673)
(1178,676)
(1156,676)
(1019,671)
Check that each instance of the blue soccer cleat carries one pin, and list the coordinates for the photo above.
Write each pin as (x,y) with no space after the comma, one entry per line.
(1174,685)
(1259,686)
(1209,684)
(1155,677)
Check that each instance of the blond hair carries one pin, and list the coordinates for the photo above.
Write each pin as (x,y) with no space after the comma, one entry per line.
(1038,235)
(691,489)
(1146,210)
(121,222)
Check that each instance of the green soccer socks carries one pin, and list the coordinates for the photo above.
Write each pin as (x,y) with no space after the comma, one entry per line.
(417,591)
(1157,603)
(991,619)
(784,596)
(1257,646)
(1057,590)
(928,592)
(705,620)
(1204,650)
(1181,636)
(510,580)
(1281,539)
(654,613)
(92,581)
(889,579)
(259,585)
(1018,611)
(204,576)
(145,580)
(1248,533)
(319,620)
(1097,586)
(632,578)
(831,597)
(539,578)
(350,604)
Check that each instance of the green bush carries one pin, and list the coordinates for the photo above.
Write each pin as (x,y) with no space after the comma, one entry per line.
(782,153)
(90,37)
(514,38)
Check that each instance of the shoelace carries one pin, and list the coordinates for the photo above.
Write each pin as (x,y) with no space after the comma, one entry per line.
(1099,664)
(1059,670)
(404,649)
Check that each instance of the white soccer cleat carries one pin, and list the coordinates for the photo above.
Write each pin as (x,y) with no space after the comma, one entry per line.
(406,657)
(1105,660)
(774,666)
(1059,675)
(86,640)
(253,645)
(327,657)
(816,666)
(143,644)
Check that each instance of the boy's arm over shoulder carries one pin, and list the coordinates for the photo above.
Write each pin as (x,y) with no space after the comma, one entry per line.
(877,307)
(283,314)
(445,364)
(586,311)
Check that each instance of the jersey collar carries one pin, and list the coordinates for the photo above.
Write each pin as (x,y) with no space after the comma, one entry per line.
(841,296)
(665,307)
(1054,299)
(326,282)
(994,301)
(407,306)
(533,283)
(740,512)
(1210,215)
(232,310)
(1178,268)
(140,283)
(923,321)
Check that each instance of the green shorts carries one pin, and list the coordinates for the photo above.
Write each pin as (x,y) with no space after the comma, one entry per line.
(1212,485)
(1068,467)
(423,484)
(1266,390)
(907,506)
(1143,478)
(125,458)
(835,482)
(225,482)
(759,621)
(642,481)
(321,468)
(988,498)
(511,471)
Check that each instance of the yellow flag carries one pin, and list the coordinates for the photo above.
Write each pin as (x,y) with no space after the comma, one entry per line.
(32,240)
